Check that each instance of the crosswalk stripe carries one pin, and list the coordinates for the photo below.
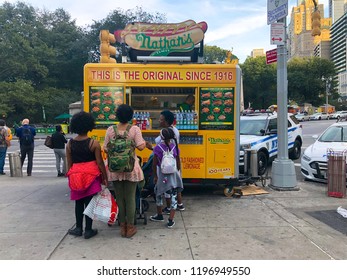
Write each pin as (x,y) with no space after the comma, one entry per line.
(43,163)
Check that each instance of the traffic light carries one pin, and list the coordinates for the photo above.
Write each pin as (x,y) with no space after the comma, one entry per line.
(316,25)
(106,50)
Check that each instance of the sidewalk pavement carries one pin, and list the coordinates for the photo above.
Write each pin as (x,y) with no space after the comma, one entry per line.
(36,212)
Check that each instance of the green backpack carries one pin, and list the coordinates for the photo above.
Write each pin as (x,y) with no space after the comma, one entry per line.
(121,152)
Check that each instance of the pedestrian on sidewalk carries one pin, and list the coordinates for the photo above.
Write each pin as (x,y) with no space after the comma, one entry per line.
(125,183)
(59,141)
(165,183)
(166,119)
(84,164)
(4,144)
(26,134)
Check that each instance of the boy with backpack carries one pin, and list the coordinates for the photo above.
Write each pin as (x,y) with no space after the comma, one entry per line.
(166,172)
(26,135)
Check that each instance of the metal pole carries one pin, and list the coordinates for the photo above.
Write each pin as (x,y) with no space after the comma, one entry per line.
(283,170)
(326,96)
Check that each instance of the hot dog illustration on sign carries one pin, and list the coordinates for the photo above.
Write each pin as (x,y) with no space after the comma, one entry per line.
(162,39)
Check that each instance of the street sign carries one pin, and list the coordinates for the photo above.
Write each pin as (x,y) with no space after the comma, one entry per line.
(277,34)
(271,56)
(276,9)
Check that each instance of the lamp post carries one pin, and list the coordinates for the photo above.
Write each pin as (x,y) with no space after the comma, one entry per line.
(283,170)
(327,87)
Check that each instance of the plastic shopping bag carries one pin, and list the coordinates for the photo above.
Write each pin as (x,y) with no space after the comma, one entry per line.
(102,207)
(342,211)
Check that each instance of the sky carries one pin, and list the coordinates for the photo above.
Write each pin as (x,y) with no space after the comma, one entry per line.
(236,25)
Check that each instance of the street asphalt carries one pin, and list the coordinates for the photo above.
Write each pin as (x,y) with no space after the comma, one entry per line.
(36,212)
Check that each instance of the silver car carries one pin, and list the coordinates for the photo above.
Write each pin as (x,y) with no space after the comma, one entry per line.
(319,116)
(339,114)
(302,117)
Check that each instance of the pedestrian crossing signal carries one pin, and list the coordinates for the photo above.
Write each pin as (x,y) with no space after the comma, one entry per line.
(106,50)
(316,24)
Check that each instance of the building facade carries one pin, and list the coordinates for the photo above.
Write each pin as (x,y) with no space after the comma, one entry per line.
(338,49)
(337,9)
(301,43)
(257,52)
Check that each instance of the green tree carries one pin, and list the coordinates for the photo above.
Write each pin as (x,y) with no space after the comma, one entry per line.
(42,55)
(213,54)
(259,83)
(306,80)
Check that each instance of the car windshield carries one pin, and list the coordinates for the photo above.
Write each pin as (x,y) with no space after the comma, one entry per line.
(252,127)
(334,134)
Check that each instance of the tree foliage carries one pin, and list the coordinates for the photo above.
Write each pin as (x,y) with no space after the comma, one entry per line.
(259,83)
(42,56)
(306,81)
(214,54)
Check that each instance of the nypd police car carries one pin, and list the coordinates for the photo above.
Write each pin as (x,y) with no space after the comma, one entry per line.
(259,132)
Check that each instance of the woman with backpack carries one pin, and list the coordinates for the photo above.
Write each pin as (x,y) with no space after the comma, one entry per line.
(167,179)
(124,170)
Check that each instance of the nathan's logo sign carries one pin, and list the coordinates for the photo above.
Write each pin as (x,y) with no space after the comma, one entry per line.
(163,39)
(219,140)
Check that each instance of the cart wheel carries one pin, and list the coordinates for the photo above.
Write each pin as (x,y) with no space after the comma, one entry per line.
(228,191)
(144,219)
(145,205)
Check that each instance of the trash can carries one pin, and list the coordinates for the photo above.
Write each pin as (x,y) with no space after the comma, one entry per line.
(336,174)
(15,164)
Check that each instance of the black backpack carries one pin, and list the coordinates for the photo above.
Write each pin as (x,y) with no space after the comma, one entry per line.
(2,136)
(27,137)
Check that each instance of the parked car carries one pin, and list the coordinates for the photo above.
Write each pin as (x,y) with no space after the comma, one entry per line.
(319,116)
(302,117)
(314,160)
(258,131)
(339,115)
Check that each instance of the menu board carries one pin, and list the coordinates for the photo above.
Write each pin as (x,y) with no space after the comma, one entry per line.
(103,103)
(217,108)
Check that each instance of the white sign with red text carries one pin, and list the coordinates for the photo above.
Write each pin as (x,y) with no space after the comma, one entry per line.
(277,33)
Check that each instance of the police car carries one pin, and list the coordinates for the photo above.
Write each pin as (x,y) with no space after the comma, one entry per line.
(259,132)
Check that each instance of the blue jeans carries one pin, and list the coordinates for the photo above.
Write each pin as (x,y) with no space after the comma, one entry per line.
(2,158)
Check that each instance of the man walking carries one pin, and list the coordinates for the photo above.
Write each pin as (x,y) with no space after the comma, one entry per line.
(26,135)
(59,141)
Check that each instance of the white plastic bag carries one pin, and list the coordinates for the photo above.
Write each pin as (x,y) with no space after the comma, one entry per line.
(342,211)
(102,207)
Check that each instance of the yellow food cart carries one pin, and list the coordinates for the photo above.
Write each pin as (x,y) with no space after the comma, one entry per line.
(209,141)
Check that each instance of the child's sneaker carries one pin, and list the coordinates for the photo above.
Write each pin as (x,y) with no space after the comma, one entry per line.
(180,207)
(157,218)
(166,211)
(170,223)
